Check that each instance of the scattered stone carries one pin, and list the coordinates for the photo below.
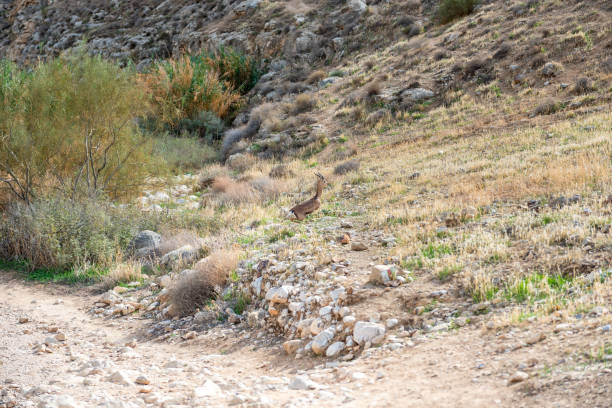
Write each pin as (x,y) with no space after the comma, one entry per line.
(358,246)
(391,323)
(23,319)
(335,349)
(119,377)
(278,295)
(209,389)
(60,337)
(519,376)
(142,380)
(292,346)
(366,332)
(383,274)
(322,340)
(302,382)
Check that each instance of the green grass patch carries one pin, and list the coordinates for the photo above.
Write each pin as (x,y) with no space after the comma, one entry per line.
(536,286)
(281,235)
(449,271)
(52,275)
(432,251)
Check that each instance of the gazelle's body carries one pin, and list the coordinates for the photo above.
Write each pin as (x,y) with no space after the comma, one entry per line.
(308,207)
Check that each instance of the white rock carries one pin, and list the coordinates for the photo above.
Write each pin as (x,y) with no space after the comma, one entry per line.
(357,5)
(256,285)
(296,307)
(365,332)
(417,94)
(335,348)
(381,274)
(322,340)
(325,311)
(119,377)
(391,323)
(302,382)
(209,389)
(349,321)
(518,377)
(278,295)
(65,401)
(316,326)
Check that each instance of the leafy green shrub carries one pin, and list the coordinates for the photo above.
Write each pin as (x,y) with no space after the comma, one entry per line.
(187,91)
(60,233)
(450,10)
(241,71)
(68,124)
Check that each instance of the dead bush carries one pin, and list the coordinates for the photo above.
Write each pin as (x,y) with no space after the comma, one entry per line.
(281,171)
(373,89)
(582,86)
(357,114)
(369,64)
(474,65)
(247,190)
(502,51)
(346,167)
(548,107)
(195,288)
(304,103)
(240,162)
(180,239)
(316,76)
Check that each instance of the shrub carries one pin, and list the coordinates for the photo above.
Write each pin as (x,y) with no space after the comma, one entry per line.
(373,88)
(241,71)
(343,168)
(229,191)
(208,82)
(281,171)
(206,125)
(64,234)
(316,76)
(68,123)
(182,154)
(304,103)
(198,287)
(450,10)
(181,89)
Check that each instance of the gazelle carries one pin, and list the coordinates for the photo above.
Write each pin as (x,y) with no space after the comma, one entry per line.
(308,207)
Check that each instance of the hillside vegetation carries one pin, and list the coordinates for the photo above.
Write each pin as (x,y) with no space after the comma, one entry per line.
(467,146)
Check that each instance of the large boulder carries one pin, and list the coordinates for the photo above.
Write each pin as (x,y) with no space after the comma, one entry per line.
(145,243)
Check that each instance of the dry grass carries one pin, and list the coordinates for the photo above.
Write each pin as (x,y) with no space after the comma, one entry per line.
(304,103)
(316,76)
(195,288)
(225,190)
(123,272)
(346,167)
(178,239)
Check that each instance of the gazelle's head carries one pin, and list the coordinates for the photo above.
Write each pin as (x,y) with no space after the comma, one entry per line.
(321,179)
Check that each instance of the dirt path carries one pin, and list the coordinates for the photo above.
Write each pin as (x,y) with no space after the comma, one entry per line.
(225,366)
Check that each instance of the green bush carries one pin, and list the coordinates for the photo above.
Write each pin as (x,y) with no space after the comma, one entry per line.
(69,124)
(450,10)
(241,71)
(187,91)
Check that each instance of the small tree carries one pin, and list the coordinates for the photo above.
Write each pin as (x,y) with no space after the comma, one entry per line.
(69,124)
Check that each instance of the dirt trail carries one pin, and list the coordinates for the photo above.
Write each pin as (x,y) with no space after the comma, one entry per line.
(226,367)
